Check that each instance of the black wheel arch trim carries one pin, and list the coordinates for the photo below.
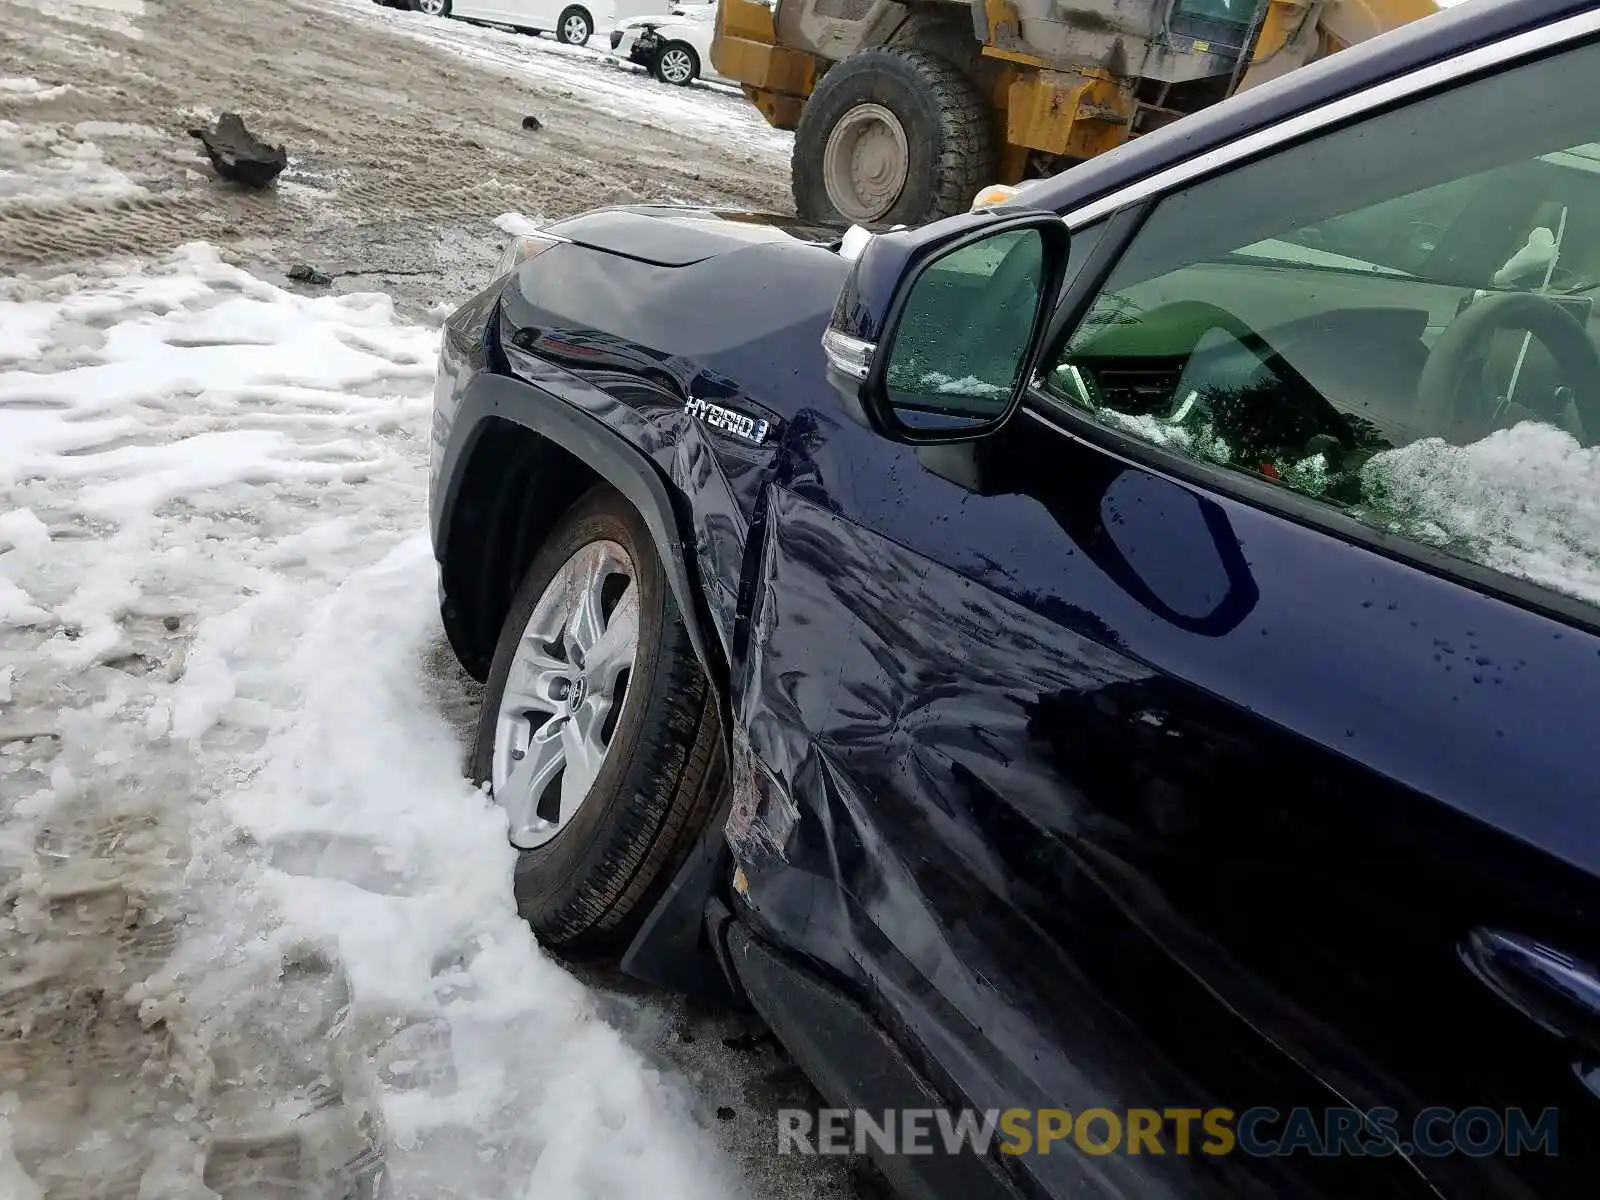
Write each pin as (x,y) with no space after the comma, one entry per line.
(616,460)
(670,948)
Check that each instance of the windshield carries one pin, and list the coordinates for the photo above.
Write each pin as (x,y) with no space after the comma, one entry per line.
(1237,12)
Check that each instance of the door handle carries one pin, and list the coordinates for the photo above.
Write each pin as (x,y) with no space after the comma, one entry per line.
(1556,990)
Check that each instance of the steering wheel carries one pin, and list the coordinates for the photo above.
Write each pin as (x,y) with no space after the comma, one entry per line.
(1448,402)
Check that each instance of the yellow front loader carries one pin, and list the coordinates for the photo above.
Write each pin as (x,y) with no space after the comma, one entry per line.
(902,112)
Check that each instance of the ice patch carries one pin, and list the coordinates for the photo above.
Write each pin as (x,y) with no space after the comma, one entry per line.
(17,608)
(517,225)
(24,329)
(116,129)
(25,87)
(15,1183)
(138,422)
(120,16)
(21,530)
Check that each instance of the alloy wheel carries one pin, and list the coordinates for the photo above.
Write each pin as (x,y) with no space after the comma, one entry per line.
(575,30)
(676,66)
(565,692)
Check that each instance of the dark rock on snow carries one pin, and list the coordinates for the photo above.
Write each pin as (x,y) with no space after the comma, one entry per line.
(305,273)
(238,155)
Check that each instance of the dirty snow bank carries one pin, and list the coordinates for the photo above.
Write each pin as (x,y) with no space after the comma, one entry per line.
(258,928)
(120,16)
(26,87)
(495,1074)
(38,164)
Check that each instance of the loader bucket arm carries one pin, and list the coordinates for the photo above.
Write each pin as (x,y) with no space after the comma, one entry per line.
(1297,32)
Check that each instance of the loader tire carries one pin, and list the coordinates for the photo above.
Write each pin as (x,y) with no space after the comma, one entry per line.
(892,136)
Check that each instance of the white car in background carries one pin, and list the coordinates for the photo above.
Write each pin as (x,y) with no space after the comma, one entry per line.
(675,47)
(572,22)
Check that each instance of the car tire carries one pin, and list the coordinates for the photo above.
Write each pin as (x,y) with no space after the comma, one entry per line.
(596,877)
(434,8)
(935,122)
(575,26)
(676,63)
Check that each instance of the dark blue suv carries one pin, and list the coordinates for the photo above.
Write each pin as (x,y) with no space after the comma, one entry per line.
(1120,669)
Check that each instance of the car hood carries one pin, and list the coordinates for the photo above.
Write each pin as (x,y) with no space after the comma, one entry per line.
(671,236)
(658,19)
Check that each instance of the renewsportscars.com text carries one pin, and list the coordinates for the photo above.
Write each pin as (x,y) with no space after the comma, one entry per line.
(1259,1131)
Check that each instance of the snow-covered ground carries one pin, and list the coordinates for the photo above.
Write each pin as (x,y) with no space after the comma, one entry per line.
(605,82)
(41,165)
(123,16)
(405,135)
(262,926)
(255,927)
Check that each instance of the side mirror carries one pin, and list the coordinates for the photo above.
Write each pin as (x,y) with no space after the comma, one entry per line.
(934,333)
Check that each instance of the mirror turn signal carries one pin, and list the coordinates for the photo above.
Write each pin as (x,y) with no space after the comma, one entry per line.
(995,193)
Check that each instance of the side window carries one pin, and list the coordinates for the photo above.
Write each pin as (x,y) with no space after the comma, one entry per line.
(1411,341)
